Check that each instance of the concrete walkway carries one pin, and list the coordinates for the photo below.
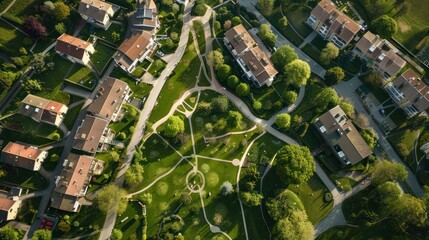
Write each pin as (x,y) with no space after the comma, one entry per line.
(7,8)
(308,39)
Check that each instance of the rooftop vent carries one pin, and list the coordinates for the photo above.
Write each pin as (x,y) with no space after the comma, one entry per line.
(372,48)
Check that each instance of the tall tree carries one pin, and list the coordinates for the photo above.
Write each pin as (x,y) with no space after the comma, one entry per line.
(283,121)
(62,11)
(220,104)
(110,197)
(266,7)
(173,126)
(9,233)
(385,170)
(282,205)
(134,174)
(266,35)
(226,188)
(34,28)
(282,56)
(329,53)
(116,234)
(216,58)
(251,199)
(328,97)
(295,227)
(290,97)
(223,72)
(42,234)
(7,78)
(334,75)
(294,164)
(384,26)
(297,72)
(243,89)
(409,210)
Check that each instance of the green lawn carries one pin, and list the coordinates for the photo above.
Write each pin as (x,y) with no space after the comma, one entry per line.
(157,66)
(10,38)
(297,15)
(102,56)
(199,30)
(140,89)
(27,211)
(28,126)
(82,75)
(89,219)
(128,224)
(386,229)
(22,9)
(52,80)
(287,32)
(49,164)
(4,4)
(182,78)
(24,178)
(71,116)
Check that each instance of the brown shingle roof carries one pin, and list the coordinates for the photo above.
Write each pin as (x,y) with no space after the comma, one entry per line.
(72,46)
(135,45)
(338,130)
(322,10)
(20,155)
(239,38)
(40,109)
(415,90)
(109,98)
(5,205)
(259,63)
(75,176)
(89,134)
(372,47)
(94,9)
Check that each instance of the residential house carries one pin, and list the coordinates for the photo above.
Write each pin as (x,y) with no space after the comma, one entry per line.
(22,156)
(74,49)
(409,92)
(255,63)
(43,110)
(238,40)
(96,12)
(73,182)
(342,137)
(8,209)
(92,135)
(332,24)
(379,54)
(109,99)
(146,16)
(257,66)
(134,50)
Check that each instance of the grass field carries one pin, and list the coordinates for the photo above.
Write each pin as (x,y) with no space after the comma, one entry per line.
(71,116)
(102,56)
(183,78)
(23,178)
(82,75)
(28,126)
(140,89)
(10,38)
(23,9)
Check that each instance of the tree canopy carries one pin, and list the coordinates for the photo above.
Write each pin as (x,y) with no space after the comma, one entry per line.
(220,104)
(62,11)
(283,56)
(328,97)
(42,234)
(173,126)
(226,188)
(243,89)
(295,227)
(233,81)
(9,233)
(134,174)
(34,28)
(384,171)
(116,234)
(283,121)
(251,199)
(334,75)
(283,204)
(297,72)
(216,58)
(223,72)
(290,97)
(109,197)
(408,210)
(266,35)
(294,164)
(329,53)
(266,6)
(384,26)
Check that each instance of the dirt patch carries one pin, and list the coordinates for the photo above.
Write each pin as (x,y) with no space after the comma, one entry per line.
(403,26)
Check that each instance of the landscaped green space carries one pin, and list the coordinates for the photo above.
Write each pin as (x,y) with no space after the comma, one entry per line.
(88,219)
(27,211)
(157,66)
(11,40)
(82,75)
(52,80)
(102,56)
(22,9)
(71,116)
(297,15)
(128,223)
(4,4)
(201,38)
(23,178)
(51,161)
(139,89)
(182,78)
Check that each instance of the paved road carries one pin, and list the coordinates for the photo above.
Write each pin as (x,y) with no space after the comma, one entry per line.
(144,115)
